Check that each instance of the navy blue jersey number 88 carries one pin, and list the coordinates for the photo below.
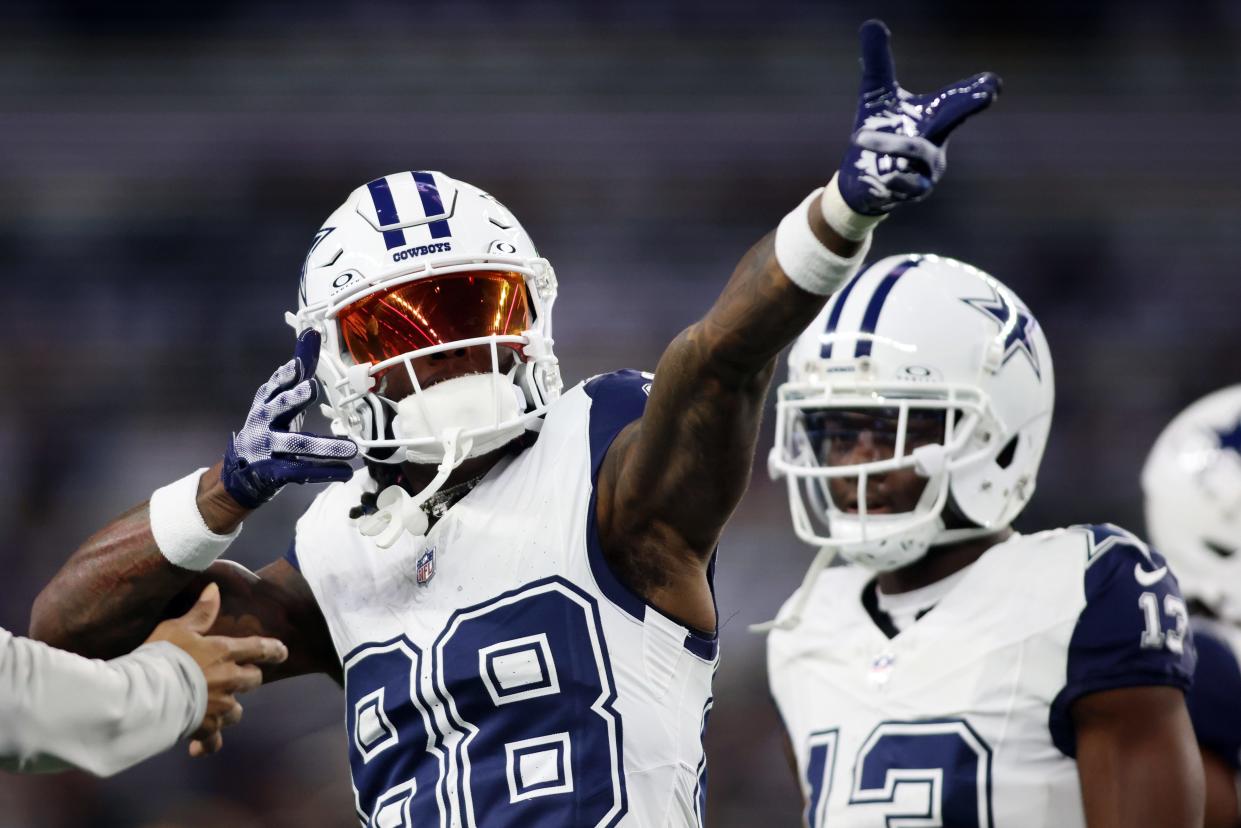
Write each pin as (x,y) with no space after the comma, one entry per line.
(521,729)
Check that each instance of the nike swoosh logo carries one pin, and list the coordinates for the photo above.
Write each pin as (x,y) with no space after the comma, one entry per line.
(1148,578)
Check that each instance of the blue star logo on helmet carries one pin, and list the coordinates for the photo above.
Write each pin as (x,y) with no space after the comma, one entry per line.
(1230,438)
(1019,338)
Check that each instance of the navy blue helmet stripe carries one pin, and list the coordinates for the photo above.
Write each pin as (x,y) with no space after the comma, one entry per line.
(871,317)
(432,204)
(833,318)
(385,210)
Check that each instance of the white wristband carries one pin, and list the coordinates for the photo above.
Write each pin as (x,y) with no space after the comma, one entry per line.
(806,260)
(841,217)
(179,529)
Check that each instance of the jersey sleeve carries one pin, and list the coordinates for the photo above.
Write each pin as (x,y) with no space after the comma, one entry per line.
(616,400)
(1214,701)
(1132,632)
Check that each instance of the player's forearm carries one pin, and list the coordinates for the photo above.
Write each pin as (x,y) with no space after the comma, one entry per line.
(111,593)
(761,310)
(116,586)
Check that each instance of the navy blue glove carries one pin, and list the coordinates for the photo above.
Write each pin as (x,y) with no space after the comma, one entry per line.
(269,451)
(898,149)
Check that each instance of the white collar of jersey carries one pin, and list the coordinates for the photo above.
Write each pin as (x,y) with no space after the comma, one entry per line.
(905,607)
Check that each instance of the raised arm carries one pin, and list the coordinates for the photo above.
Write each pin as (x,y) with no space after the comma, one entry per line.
(149,563)
(671,480)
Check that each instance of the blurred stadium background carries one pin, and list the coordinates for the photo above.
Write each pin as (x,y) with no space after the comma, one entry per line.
(163,167)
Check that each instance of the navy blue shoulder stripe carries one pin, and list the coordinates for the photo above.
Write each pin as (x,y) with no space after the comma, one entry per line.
(617,399)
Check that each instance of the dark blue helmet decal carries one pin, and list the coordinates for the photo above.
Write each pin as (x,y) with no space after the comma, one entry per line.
(871,318)
(833,317)
(1230,438)
(998,308)
(432,204)
(319,237)
(385,211)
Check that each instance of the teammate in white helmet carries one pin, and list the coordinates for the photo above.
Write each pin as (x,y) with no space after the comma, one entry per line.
(1192,484)
(516,588)
(956,672)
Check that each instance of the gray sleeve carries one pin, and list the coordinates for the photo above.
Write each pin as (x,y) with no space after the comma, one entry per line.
(61,710)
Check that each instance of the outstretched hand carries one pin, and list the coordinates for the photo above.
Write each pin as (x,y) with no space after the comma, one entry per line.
(269,451)
(898,149)
(228,664)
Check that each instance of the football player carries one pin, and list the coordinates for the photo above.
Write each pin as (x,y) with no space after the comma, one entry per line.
(516,588)
(1192,484)
(958,672)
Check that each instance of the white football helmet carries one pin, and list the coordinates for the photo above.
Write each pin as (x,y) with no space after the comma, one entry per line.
(925,340)
(1192,483)
(416,264)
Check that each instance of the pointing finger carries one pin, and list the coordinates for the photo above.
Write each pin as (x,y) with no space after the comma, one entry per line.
(878,68)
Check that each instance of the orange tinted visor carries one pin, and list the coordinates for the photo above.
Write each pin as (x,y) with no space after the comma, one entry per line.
(435,311)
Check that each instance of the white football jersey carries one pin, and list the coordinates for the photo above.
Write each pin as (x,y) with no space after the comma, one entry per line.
(962,718)
(502,675)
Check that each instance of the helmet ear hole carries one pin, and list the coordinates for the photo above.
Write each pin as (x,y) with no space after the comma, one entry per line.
(1222,551)
(1005,458)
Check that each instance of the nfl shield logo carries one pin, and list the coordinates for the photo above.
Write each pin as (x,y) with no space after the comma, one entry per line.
(426,566)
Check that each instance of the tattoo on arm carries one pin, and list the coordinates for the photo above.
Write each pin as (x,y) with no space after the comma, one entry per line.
(117,587)
(679,472)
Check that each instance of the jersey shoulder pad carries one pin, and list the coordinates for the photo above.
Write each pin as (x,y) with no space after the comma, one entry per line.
(1132,630)
(1214,701)
(616,400)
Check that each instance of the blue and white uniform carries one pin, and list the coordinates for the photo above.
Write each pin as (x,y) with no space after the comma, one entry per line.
(1215,699)
(963,717)
(521,684)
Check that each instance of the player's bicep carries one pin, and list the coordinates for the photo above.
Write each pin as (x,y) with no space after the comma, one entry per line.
(684,466)
(1137,760)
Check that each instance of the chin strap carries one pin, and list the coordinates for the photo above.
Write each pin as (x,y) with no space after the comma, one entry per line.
(398,512)
(821,561)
